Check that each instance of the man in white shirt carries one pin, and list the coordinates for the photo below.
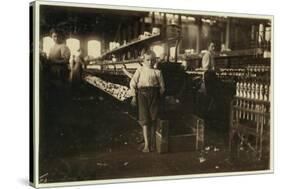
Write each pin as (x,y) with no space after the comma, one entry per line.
(210,83)
(208,61)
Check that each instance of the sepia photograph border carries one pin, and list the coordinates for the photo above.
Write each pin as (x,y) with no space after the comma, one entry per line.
(35,64)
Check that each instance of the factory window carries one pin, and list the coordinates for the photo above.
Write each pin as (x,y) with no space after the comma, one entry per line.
(94,48)
(47,44)
(158,49)
(172,52)
(172,18)
(73,44)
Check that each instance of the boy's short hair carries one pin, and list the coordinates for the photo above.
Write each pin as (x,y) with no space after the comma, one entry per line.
(147,51)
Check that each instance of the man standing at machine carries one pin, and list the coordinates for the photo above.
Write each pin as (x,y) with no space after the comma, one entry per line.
(208,61)
(211,81)
(147,84)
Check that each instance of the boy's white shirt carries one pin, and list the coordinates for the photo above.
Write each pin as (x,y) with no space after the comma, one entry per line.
(145,77)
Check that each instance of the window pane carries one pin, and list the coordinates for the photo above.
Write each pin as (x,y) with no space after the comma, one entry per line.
(159,50)
(73,45)
(172,52)
(47,44)
(94,48)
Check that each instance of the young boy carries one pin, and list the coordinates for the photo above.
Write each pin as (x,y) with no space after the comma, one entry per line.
(147,84)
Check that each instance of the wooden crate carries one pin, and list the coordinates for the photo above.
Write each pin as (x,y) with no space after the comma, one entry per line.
(181,143)
(162,134)
(161,143)
(180,135)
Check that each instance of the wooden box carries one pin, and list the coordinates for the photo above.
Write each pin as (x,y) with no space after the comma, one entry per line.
(180,135)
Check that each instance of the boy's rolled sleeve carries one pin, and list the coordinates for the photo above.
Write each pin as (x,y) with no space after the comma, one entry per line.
(134,82)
